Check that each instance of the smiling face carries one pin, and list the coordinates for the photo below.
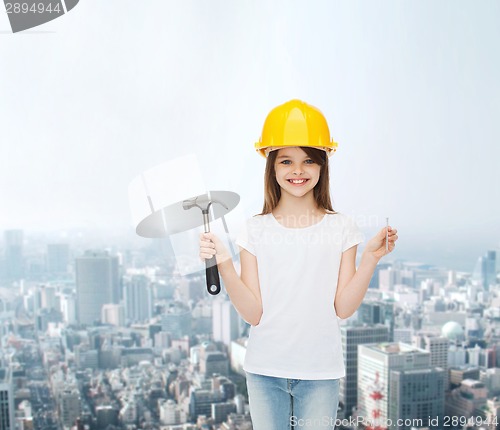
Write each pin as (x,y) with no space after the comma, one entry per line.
(296,172)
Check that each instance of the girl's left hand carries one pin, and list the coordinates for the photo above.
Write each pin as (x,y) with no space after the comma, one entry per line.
(376,245)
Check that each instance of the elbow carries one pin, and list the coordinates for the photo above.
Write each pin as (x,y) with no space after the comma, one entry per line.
(344,315)
(255,320)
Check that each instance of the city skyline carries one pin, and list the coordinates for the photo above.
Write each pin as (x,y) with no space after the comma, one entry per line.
(413,111)
(198,343)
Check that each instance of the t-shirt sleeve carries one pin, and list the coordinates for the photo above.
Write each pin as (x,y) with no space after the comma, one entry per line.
(351,235)
(245,239)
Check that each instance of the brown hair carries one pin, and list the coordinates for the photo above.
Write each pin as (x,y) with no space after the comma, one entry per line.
(272,190)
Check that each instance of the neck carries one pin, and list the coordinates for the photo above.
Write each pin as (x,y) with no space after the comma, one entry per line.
(296,206)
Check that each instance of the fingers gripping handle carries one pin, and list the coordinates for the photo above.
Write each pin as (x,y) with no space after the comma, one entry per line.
(212,275)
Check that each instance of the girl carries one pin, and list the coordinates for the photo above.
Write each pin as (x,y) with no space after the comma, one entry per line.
(298,276)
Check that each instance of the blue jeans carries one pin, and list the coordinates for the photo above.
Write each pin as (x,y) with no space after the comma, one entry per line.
(285,404)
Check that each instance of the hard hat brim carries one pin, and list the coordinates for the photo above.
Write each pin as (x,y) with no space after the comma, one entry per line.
(265,151)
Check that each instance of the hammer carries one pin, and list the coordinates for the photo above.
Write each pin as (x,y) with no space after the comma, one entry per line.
(212,273)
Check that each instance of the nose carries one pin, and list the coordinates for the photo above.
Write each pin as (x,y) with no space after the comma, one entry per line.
(298,170)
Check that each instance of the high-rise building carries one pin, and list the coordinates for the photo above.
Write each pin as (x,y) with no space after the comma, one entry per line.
(352,336)
(97,283)
(69,406)
(377,312)
(6,400)
(397,382)
(485,270)
(225,321)
(138,298)
(416,395)
(438,348)
(14,259)
(68,308)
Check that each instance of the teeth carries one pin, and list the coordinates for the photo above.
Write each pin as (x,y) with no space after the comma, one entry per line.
(297,181)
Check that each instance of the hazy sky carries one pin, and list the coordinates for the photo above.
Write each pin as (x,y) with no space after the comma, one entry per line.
(410,89)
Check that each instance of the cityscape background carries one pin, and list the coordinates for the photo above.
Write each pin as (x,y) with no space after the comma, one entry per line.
(98,327)
(117,338)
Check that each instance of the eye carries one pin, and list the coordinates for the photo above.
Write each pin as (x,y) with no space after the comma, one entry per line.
(309,161)
(285,162)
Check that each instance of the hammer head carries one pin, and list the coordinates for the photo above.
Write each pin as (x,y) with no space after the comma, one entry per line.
(202,201)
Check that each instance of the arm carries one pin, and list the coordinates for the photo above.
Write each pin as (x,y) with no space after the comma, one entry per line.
(243,291)
(352,284)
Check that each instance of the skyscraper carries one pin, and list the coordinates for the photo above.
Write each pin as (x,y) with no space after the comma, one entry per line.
(397,382)
(485,270)
(352,336)
(97,283)
(6,400)
(69,406)
(14,263)
(138,298)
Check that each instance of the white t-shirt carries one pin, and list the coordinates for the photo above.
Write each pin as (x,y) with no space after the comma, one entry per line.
(298,335)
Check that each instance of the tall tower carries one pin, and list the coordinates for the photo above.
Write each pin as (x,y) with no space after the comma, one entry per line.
(97,283)
(14,264)
(485,270)
(6,400)
(352,336)
(138,298)
(491,268)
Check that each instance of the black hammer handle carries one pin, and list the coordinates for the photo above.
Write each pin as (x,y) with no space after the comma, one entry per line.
(213,281)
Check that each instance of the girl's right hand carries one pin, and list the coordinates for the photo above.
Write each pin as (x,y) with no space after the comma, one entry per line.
(211,245)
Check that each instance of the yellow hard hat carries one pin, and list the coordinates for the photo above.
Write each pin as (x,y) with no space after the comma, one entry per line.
(295,123)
